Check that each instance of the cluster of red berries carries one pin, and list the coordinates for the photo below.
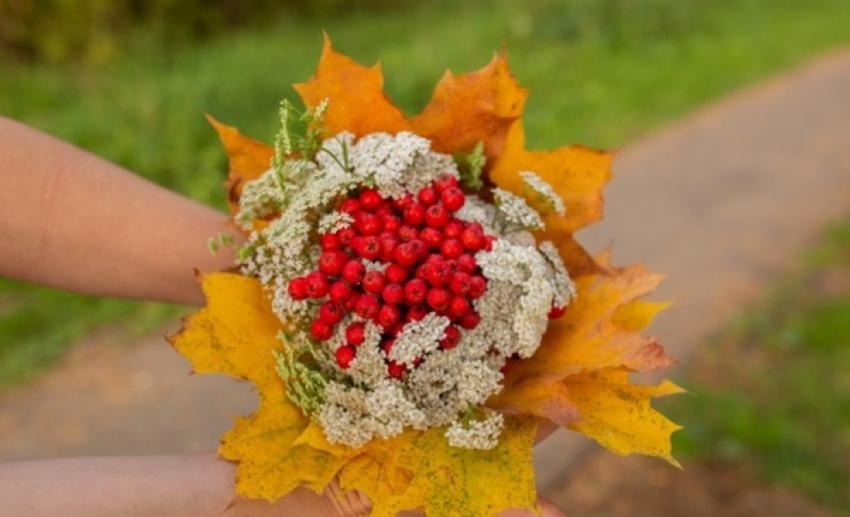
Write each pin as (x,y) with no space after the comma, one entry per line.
(430,267)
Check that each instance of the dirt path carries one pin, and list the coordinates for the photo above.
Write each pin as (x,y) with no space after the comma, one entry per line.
(722,202)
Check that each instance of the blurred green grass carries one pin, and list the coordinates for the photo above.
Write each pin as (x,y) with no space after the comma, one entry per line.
(601,73)
(774,392)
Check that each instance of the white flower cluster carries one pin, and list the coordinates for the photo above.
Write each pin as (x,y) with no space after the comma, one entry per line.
(418,338)
(478,434)
(516,211)
(544,190)
(335,221)
(441,387)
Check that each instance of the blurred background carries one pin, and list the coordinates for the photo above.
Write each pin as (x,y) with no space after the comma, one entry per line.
(734,178)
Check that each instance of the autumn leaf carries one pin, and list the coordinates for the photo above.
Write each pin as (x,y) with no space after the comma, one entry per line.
(249,158)
(420,470)
(618,414)
(356,94)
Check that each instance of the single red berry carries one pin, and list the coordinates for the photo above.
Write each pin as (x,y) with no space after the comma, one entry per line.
(367,306)
(477,286)
(407,233)
(297,288)
(367,246)
(419,248)
(470,320)
(414,214)
(405,255)
(330,313)
(332,262)
(370,199)
(450,338)
(329,242)
(339,291)
(488,242)
(466,263)
(451,248)
(388,246)
(387,345)
(374,282)
(355,333)
(393,293)
(461,283)
(396,370)
(475,227)
(396,273)
(438,298)
(556,312)
(349,206)
(458,306)
(432,237)
(317,285)
(403,202)
(392,223)
(453,229)
(434,257)
(344,356)
(368,223)
(388,316)
(346,235)
(351,302)
(452,198)
(385,210)
(422,271)
(320,330)
(428,196)
(444,182)
(472,240)
(438,274)
(436,216)
(417,312)
(415,291)
(353,271)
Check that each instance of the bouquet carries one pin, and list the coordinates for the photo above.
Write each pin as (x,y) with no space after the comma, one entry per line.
(411,304)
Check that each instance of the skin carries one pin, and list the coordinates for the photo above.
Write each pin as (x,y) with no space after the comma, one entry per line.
(73,221)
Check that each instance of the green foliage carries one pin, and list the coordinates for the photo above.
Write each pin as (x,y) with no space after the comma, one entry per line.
(471,165)
(775,392)
(97,31)
(305,385)
(144,110)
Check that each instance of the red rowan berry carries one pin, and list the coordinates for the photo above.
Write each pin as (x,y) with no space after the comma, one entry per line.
(344,356)
(388,316)
(355,333)
(428,196)
(367,306)
(414,214)
(396,370)
(415,291)
(317,285)
(452,198)
(329,242)
(396,273)
(320,330)
(393,293)
(370,199)
(330,313)
(353,271)
(374,282)
(436,216)
(451,248)
(438,298)
(444,182)
(339,291)
(298,288)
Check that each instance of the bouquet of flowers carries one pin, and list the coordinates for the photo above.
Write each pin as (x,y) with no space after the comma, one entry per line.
(411,303)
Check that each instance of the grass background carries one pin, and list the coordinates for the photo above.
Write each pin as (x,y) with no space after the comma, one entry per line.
(773,391)
(601,73)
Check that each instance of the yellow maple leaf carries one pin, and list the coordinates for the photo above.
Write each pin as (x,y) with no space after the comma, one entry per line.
(578,378)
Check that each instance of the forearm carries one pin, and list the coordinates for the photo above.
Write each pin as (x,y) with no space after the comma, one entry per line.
(71,220)
(165,486)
